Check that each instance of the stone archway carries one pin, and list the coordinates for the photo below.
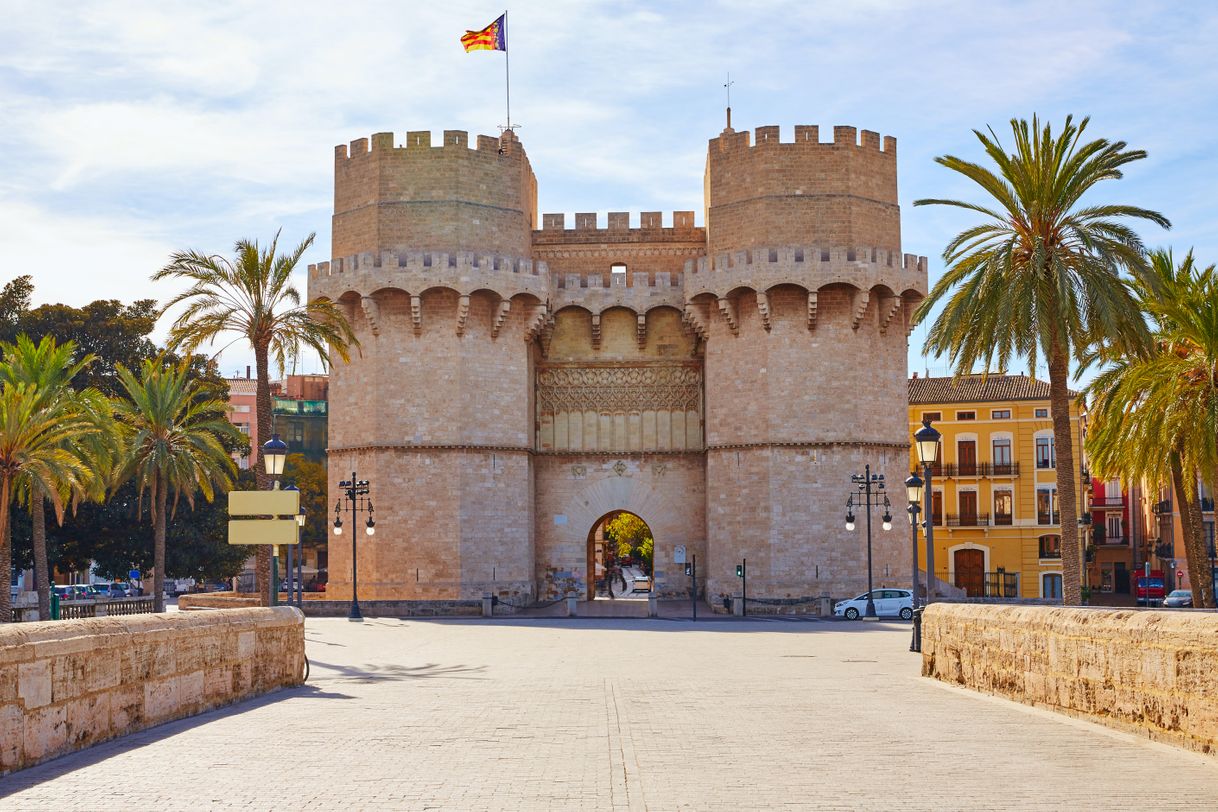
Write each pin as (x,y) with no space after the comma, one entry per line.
(668,493)
(633,572)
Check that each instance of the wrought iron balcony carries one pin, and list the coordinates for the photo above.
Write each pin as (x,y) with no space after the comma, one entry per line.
(1109,502)
(968,520)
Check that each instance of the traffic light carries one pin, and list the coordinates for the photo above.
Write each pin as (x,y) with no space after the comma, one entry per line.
(739,570)
(689,569)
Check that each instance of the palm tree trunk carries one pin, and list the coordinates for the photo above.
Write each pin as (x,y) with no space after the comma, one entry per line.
(1192,528)
(1067,498)
(158,548)
(6,550)
(262,404)
(42,574)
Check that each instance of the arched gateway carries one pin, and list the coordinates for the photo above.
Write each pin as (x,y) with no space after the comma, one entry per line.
(518,379)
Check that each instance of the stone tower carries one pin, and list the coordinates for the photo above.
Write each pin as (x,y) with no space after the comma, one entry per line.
(433,265)
(520,381)
(805,300)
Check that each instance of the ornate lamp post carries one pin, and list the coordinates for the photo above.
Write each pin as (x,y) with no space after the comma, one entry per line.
(927,440)
(274,455)
(355,491)
(870,490)
(913,490)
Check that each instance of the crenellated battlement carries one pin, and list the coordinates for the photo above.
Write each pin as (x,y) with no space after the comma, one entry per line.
(420,142)
(417,271)
(811,267)
(618,221)
(806,136)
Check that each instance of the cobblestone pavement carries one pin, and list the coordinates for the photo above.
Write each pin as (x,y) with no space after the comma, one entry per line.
(620,714)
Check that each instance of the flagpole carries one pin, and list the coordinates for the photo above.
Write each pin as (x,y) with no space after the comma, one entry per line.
(507,71)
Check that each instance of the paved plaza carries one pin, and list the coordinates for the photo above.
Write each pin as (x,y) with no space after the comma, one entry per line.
(658,714)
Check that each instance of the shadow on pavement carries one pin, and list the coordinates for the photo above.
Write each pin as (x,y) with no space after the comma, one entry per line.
(717,623)
(70,762)
(391,672)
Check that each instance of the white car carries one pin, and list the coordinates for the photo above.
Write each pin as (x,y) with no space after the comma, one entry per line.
(888,603)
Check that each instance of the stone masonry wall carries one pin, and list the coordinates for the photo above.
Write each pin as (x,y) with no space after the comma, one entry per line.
(1154,673)
(68,684)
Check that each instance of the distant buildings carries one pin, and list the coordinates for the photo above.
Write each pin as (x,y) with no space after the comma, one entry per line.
(299,414)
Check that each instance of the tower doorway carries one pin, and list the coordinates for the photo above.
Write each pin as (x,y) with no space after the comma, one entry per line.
(621,553)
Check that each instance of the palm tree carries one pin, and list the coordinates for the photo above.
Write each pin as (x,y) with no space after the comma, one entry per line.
(35,437)
(172,445)
(1166,397)
(253,298)
(1040,276)
(49,369)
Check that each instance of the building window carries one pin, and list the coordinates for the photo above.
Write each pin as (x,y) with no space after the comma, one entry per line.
(1051,546)
(1046,454)
(296,432)
(1001,455)
(936,507)
(966,415)
(1041,413)
(617,274)
(244,428)
(933,417)
(1046,505)
(1000,414)
(1114,535)
(1002,507)
(1051,585)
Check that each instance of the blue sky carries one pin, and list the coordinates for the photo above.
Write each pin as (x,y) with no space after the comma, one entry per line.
(136,128)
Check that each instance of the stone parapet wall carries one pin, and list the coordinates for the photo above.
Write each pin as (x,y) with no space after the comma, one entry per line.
(1153,672)
(66,685)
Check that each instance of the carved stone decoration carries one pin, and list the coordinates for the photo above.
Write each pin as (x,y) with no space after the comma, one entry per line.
(372,312)
(619,389)
(658,469)
(729,314)
(536,322)
(763,307)
(462,313)
(579,471)
(889,306)
(811,310)
(505,307)
(642,330)
(619,468)
(861,299)
(693,317)
(416,313)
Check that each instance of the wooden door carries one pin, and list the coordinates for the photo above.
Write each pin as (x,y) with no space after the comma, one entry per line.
(968,508)
(970,572)
(966,457)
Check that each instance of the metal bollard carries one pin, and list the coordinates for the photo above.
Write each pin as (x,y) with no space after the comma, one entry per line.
(653,606)
(915,644)
(737,606)
(488,605)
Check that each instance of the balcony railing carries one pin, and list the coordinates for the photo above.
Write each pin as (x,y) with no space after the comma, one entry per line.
(979,584)
(974,469)
(968,520)
(1003,520)
(1109,502)
(1112,541)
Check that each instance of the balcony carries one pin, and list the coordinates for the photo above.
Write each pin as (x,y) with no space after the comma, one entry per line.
(1003,520)
(1109,502)
(968,520)
(1112,541)
(974,469)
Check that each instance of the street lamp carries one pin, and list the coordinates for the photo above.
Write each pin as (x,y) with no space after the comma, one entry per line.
(870,489)
(927,441)
(355,491)
(913,492)
(274,455)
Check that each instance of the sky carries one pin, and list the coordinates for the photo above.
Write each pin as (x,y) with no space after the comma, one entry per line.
(134,129)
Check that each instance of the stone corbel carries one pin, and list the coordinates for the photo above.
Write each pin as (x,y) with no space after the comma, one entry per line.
(500,316)
(729,314)
(642,330)
(462,313)
(596,331)
(811,310)
(536,322)
(861,299)
(693,317)
(372,312)
(889,306)
(763,307)
(416,313)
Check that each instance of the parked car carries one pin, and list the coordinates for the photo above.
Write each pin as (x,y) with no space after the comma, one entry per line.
(119,590)
(888,603)
(1178,598)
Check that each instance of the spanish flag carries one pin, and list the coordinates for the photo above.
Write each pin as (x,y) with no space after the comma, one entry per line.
(490,38)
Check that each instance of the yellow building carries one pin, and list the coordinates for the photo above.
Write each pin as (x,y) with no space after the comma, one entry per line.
(997,528)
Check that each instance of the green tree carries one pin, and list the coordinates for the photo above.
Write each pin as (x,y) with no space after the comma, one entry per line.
(48,369)
(632,538)
(14,304)
(111,332)
(310,478)
(34,440)
(252,297)
(1166,397)
(1041,276)
(172,446)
